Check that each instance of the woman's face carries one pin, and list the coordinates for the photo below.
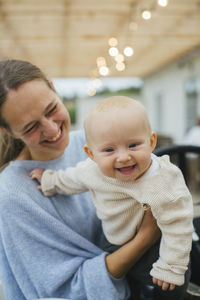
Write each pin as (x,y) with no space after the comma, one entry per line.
(37,116)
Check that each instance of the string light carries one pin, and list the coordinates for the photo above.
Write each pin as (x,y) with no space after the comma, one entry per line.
(146,14)
(104,71)
(101,61)
(113,51)
(119,58)
(113,42)
(128,51)
(92,92)
(163,3)
(120,66)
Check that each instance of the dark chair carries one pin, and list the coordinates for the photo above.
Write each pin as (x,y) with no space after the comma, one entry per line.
(179,155)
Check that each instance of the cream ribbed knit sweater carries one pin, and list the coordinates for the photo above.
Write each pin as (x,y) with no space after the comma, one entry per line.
(119,206)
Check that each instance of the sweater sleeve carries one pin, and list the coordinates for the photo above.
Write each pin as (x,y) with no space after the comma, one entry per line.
(67,182)
(41,256)
(173,208)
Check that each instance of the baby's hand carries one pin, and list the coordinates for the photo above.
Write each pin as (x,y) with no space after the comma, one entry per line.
(37,174)
(165,285)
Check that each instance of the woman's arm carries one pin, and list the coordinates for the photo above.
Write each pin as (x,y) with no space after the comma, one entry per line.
(119,262)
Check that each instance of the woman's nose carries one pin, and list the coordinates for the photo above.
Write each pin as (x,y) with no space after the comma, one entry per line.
(49,128)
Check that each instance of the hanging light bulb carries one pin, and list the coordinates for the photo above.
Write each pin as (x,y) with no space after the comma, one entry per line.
(91,92)
(101,61)
(120,66)
(128,51)
(119,58)
(113,42)
(113,51)
(103,71)
(163,3)
(146,14)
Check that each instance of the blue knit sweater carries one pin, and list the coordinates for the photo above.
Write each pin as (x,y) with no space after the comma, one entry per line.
(51,247)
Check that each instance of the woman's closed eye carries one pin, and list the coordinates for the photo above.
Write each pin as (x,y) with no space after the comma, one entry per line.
(32,128)
(52,110)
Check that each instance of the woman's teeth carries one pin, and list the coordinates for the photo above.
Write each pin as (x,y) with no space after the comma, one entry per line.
(55,137)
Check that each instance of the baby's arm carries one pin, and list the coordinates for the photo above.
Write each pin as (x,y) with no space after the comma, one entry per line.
(64,182)
(175,221)
(165,285)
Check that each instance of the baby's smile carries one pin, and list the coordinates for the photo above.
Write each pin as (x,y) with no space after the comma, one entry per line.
(126,170)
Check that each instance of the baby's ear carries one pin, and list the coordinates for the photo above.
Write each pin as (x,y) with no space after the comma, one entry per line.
(153,140)
(88,151)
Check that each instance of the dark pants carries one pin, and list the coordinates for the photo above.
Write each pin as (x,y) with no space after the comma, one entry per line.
(140,280)
(141,283)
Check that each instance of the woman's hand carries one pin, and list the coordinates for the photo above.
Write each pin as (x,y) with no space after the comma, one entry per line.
(121,261)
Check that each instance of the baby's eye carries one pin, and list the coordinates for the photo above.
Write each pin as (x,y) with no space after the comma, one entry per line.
(109,150)
(132,145)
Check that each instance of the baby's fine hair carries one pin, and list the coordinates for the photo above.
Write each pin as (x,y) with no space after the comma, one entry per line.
(118,102)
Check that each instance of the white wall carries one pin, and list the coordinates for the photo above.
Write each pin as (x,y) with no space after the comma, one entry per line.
(83,106)
(170,83)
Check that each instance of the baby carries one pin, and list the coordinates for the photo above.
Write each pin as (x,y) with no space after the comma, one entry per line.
(125,178)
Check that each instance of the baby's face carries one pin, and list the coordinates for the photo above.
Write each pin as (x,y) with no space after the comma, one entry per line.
(121,145)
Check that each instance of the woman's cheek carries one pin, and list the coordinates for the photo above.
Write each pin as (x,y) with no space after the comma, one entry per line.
(32,140)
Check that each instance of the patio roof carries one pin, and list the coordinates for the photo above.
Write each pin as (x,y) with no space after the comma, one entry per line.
(65,37)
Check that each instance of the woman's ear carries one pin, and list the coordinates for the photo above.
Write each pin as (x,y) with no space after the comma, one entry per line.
(88,151)
(153,140)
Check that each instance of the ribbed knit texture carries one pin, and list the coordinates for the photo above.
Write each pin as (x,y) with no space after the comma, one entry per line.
(51,247)
(119,206)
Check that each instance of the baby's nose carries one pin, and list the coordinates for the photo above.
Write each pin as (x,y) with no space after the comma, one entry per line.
(123,157)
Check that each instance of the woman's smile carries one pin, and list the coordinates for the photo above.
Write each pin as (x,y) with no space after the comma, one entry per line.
(56,138)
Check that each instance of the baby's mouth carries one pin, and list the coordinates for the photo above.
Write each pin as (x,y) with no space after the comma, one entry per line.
(126,170)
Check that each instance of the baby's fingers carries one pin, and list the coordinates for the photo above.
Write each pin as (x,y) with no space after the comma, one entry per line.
(165,286)
(33,173)
(36,174)
(155,280)
(172,287)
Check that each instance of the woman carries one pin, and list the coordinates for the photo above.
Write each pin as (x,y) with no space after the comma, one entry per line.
(51,247)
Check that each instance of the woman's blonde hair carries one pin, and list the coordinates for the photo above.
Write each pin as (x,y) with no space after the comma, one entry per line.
(9,148)
(14,73)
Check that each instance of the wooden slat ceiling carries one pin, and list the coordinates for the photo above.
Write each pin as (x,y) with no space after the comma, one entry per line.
(65,37)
